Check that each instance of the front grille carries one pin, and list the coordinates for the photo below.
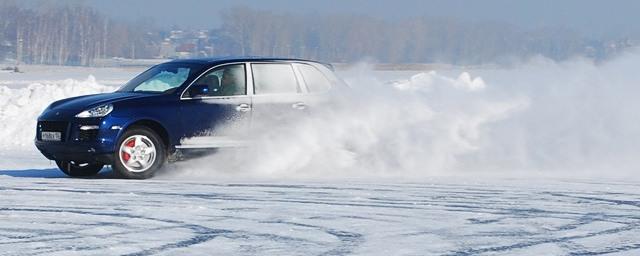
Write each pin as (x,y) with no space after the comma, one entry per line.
(88,135)
(53,126)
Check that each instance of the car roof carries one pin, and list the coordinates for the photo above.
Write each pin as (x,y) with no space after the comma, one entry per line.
(222,60)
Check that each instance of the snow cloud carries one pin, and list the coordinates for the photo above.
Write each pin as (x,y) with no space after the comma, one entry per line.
(541,118)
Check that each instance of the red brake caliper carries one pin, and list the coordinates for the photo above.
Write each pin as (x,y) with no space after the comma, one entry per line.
(125,155)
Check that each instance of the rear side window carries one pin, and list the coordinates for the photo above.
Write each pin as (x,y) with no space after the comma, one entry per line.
(314,79)
(274,79)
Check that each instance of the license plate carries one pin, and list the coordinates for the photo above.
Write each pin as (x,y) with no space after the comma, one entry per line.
(51,136)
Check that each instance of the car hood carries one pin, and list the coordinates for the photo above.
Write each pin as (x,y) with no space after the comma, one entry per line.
(81,103)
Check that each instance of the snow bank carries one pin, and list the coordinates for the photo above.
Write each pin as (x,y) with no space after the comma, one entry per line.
(425,81)
(20,108)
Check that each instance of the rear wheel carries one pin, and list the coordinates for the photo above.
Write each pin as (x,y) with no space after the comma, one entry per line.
(77,169)
(140,153)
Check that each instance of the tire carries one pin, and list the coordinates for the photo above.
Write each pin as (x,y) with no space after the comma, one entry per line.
(73,169)
(139,153)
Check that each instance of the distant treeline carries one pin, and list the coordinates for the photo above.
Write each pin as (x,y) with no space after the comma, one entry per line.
(64,34)
(75,34)
(345,38)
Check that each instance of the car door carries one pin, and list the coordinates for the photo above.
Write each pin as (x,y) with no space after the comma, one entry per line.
(317,81)
(278,95)
(216,108)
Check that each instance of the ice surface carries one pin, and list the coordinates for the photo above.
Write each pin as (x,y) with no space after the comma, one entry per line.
(60,216)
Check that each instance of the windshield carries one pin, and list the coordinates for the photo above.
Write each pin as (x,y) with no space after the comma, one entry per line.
(161,78)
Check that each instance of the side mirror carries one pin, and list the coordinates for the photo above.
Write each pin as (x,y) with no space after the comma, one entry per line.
(198,90)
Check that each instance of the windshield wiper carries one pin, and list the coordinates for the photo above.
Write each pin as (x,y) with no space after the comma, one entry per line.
(143,91)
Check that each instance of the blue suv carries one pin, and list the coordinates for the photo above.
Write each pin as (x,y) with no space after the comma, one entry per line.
(173,107)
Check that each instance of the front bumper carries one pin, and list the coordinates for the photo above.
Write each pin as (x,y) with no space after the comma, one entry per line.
(95,145)
(68,151)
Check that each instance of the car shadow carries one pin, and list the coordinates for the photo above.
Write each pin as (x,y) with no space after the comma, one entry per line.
(53,173)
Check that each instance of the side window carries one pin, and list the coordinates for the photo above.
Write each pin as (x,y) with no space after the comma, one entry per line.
(274,78)
(314,79)
(227,80)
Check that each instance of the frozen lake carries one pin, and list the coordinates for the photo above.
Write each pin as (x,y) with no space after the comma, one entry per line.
(62,216)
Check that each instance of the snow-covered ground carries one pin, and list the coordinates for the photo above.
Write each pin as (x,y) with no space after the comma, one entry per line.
(524,161)
(61,216)
(50,74)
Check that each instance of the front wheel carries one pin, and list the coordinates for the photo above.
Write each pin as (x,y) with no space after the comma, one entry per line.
(140,154)
(76,169)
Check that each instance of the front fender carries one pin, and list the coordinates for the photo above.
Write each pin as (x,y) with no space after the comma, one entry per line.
(168,132)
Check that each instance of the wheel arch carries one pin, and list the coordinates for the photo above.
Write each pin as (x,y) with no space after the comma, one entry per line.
(155,126)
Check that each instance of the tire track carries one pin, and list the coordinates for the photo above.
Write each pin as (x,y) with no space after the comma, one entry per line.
(98,216)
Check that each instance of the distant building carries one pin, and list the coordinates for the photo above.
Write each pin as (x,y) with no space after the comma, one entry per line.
(167,50)
(186,44)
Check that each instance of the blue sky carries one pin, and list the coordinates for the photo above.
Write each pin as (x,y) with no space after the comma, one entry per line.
(591,17)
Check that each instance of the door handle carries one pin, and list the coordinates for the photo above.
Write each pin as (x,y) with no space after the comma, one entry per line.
(244,107)
(299,105)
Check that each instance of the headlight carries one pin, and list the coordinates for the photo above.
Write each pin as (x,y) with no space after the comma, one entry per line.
(98,111)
